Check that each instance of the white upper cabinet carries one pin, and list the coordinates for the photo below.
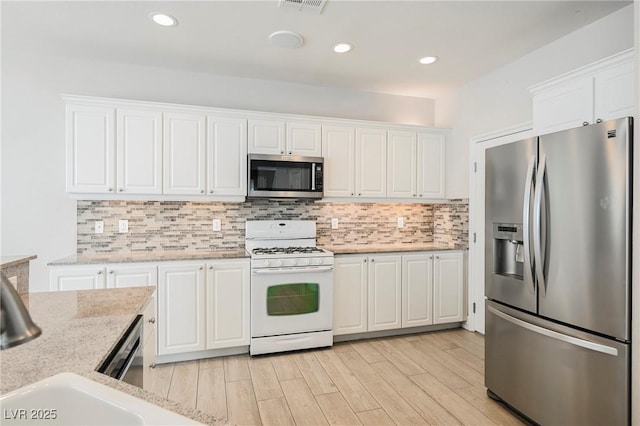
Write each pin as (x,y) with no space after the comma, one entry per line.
(304,139)
(184,153)
(415,165)
(339,152)
(284,138)
(266,137)
(139,151)
(91,148)
(430,169)
(226,156)
(371,162)
(601,91)
(402,164)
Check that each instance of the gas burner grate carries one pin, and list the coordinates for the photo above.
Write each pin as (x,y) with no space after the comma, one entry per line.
(287,250)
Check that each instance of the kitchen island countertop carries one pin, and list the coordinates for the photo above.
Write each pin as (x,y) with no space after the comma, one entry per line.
(155,256)
(391,248)
(79,329)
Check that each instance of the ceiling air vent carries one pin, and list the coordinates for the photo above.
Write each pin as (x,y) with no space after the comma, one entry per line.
(304,5)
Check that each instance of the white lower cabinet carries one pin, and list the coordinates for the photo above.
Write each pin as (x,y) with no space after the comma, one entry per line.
(181,308)
(448,287)
(203,306)
(132,275)
(227,306)
(386,292)
(350,290)
(77,277)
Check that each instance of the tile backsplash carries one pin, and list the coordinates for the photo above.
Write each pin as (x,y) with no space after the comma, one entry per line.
(178,225)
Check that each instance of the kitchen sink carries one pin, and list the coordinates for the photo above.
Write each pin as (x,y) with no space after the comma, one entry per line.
(70,399)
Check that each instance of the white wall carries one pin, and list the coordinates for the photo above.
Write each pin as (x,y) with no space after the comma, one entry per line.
(501,99)
(37,215)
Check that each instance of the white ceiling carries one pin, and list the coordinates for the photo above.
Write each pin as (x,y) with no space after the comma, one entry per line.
(232,37)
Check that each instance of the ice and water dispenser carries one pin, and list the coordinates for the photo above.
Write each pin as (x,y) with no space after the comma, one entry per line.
(508,250)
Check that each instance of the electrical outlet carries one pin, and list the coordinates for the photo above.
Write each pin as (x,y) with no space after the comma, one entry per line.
(123,226)
(400,222)
(217,225)
(98,226)
(334,223)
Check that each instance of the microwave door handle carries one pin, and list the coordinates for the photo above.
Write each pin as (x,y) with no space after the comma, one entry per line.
(313,176)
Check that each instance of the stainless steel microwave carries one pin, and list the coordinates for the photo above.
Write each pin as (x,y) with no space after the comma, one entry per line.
(284,176)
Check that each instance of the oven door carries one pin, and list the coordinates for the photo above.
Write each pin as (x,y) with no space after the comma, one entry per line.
(288,300)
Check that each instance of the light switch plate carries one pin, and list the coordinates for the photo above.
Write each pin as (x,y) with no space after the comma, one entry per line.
(98,226)
(334,223)
(217,225)
(123,226)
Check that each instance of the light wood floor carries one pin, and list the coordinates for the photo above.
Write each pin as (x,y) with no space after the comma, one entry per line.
(432,378)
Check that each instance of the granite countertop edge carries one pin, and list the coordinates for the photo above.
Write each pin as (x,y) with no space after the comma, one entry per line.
(141,257)
(392,248)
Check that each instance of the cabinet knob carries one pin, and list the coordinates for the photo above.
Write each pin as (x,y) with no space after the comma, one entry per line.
(437,257)
(599,120)
(420,195)
(99,272)
(352,194)
(202,191)
(152,320)
(373,260)
(211,191)
(290,152)
(120,189)
(201,268)
(152,365)
(365,260)
(110,189)
(414,195)
(281,152)
(585,123)
(359,194)
(111,272)
(211,268)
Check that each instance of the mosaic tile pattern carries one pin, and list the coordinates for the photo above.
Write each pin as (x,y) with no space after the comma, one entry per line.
(177,225)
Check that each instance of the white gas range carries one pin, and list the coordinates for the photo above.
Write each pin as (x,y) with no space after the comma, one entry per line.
(291,286)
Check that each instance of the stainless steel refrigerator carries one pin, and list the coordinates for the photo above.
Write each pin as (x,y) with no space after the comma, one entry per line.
(558,275)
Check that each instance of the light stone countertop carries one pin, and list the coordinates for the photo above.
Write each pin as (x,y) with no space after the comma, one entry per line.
(390,248)
(152,256)
(7,261)
(79,329)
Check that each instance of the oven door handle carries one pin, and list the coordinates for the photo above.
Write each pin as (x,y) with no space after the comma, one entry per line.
(305,270)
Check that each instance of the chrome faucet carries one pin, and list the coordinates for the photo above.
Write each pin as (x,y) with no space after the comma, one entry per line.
(16,325)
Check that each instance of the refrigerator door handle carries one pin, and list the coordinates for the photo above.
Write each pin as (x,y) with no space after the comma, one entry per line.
(537,225)
(528,263)
(592,346)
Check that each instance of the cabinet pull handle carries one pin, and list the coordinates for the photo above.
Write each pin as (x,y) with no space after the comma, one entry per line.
(152,320)
(152,365)
(585,123)
(599,120)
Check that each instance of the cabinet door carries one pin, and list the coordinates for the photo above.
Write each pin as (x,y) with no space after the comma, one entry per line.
(371,163)
(384,293)
(91,149)
(349,295)
(181,307)
(563,107)
(304,139)
(132,275)
(401,164)
(266,137)
(184,153)
(448,285)
(84,277)
(431,161)
(139,151)
(149,346)
(417,290)
(226,156)
(614,92)
(339,152)
(227,314)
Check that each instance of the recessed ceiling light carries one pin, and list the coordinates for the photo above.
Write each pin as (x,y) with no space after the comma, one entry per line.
(164,20)
(342,47)
(287,39)
(428,60)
